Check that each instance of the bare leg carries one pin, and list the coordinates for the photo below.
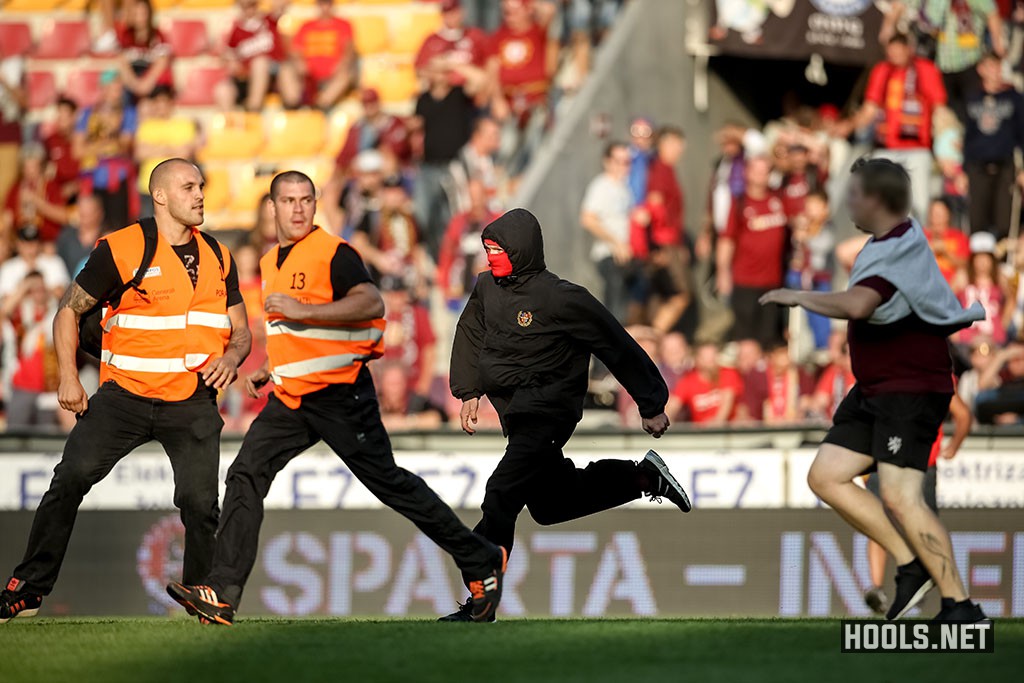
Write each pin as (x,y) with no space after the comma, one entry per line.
(259,83)
(289,85)
(901,489)
(876,562)
(831,478)
(334,88)
(225,95)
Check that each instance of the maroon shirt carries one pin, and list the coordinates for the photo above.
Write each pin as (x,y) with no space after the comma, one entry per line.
(662,178)
(760,230)
(909,356)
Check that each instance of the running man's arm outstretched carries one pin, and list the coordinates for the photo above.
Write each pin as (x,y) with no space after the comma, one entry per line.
(464,374)
(856,303)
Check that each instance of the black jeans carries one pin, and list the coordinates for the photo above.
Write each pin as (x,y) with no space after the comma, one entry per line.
(534,473)
(116,423)
(347,418)
(991,196)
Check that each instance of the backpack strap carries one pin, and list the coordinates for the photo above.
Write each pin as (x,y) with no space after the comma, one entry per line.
(215,246)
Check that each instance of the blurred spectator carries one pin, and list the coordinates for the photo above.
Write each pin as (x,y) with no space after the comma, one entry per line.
(994,130)
(641,152)
(264,232)
(34,199)
(1000,398)
(255,56)
(483,14)
(836,379)
(982,353)
(674,358)
(587,22)
(391,245)
(241,408)
(78,237)
(13,103)
(59,148)
(605,215)
(949,244)
(607,391)
(29,256)
(102,145)
(901,97)
(409,337)
(983,284)
(948,148)
(453,45)
(961,43)
(522,61)
(376,129)
(727,181)
(462,256)
(709,393)
(445,113)
(812,265)
(798,180)
(30,362)
(162,134)
(323,51)
(475,162)
(360,198)
(663,186)
(751,255)
(783,396)
(401,409)
(145,53)
(112,15)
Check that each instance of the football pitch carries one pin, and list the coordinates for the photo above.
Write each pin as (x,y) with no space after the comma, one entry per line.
(293,651)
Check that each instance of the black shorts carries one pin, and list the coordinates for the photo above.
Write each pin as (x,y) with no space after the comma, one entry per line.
(898,429)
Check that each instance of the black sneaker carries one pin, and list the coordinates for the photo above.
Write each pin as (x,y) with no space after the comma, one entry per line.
(15,601)
(202,601)
(912,584)
(964,611)
(876,600)
(662,483)
(464,613)
(486,591)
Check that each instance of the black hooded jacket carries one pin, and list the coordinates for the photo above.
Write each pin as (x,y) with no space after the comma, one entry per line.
(525,340)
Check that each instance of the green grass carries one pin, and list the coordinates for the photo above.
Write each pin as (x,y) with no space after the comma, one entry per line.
(42,650)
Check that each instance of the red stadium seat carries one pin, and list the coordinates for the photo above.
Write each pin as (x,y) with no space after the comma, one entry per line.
(199,85)
(83,87)
(15,38)
(42,89)
(64,40)
(188,37)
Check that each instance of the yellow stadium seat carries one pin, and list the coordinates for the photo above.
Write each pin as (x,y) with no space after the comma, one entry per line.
(75,5)
(158,4)
(385,2)
(396,83)
(410,29)
(31,5)
(295,134)
(205,4)
(371,33)
(248,193)
(218,188)
(233,136)
(337,131)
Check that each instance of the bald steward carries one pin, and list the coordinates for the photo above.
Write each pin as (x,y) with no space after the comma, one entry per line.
(162,172)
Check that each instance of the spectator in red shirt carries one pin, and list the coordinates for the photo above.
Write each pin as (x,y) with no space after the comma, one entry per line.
(59,149)
(255,56)
(799,180)
(950,245)
(836,380)
(323,53)
(145,52)
(781,394)
(674,358)
(709,393)
(902,95)
(461,258)
(521,61)
(663,185)
(35,199)
(409,337)
(376,129)
(453,45)
(751,256)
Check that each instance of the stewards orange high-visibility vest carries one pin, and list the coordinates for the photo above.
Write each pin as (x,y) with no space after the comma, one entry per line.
(307,355)
(154,343)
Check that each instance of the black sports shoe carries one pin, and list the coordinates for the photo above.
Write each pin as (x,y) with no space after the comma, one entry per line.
(876,600)
(16,602)
(912,584)
(203,602)
(963,611)
(464,613)
(662,483)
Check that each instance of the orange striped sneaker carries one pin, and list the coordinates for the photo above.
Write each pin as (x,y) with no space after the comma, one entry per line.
(15,601)
(486,591)
(203,602)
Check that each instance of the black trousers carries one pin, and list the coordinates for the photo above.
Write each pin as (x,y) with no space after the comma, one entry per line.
(116,423)
(534,473)
(754,321)
(347,418)
(991,196)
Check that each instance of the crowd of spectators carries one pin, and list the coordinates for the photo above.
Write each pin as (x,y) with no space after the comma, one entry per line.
(412,188)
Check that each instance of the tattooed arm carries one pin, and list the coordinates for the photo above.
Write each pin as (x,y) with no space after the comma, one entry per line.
(73,305)
(220,372)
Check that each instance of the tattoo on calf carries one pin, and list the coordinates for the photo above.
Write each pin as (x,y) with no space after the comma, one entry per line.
(932,545)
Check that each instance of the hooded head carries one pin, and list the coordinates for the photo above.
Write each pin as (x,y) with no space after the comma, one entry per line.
(518,233)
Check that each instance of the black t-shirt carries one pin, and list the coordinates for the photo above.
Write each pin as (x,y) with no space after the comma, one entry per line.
(100,277)
(447,124)
(347,268)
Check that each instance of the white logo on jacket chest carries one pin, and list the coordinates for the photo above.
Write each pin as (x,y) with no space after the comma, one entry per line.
(152,271)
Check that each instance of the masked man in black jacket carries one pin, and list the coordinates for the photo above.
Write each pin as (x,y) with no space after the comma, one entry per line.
(525,340)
